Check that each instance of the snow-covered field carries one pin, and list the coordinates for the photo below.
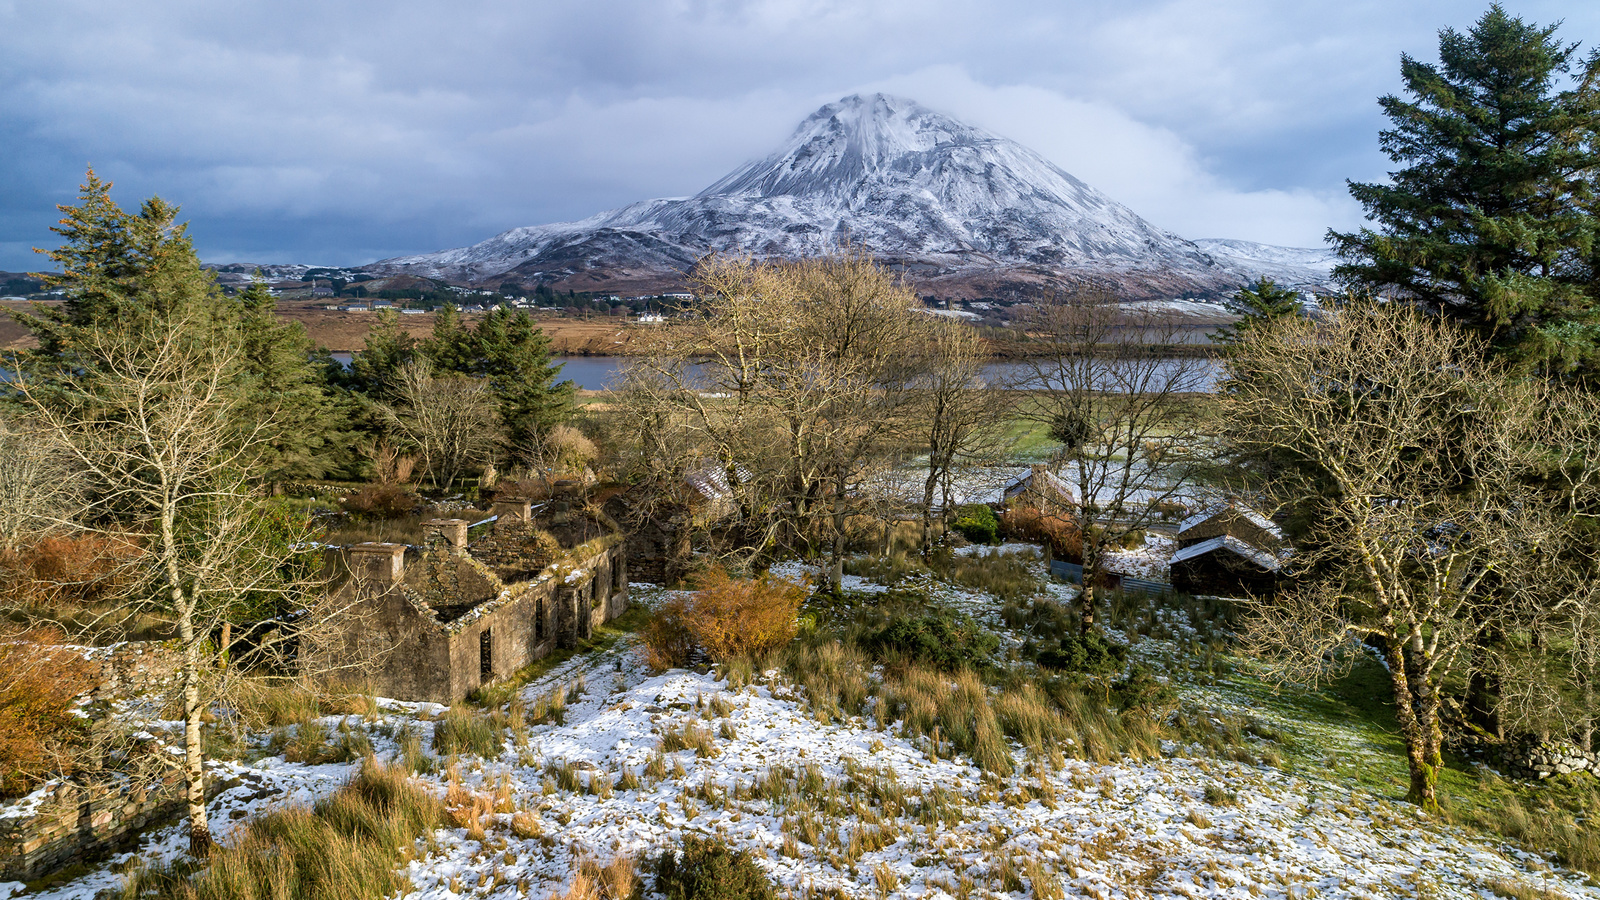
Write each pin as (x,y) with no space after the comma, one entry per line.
(858,808)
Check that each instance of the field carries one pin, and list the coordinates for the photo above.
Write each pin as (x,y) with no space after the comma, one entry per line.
(1255,792)
(347,331)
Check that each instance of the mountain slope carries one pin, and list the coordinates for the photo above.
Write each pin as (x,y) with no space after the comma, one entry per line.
(1300,267)
(962,211)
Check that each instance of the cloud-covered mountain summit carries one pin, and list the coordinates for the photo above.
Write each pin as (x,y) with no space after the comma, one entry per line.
(963,212)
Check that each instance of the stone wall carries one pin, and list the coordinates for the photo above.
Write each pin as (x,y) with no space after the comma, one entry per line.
(1535,760)
(64,822)
(134,669)
(426,652)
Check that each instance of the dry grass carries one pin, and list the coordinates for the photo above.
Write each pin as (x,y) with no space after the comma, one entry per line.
(280,702)
(616,880)
(350,846)
(465,730)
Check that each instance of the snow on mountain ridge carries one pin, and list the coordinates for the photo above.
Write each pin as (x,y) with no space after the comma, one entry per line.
(1306,268)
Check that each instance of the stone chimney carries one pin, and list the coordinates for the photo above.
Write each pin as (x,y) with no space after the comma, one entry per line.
(512,512)
(377,563)
(445,532)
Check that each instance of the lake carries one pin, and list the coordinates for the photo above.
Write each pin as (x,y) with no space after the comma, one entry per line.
(595,373)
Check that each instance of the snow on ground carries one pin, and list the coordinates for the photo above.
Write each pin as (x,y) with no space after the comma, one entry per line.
(870,813)
(1148,561)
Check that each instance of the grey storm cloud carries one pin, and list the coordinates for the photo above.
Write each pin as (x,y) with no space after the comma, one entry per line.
(340,133)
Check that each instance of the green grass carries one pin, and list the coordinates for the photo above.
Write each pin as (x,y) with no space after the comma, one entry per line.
(1346,732)
(600,640)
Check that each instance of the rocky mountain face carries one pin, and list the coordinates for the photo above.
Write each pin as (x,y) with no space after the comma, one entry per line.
(962,212)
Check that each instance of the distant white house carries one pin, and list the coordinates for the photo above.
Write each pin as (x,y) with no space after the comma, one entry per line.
(356,307)
(413,312)
(651,319)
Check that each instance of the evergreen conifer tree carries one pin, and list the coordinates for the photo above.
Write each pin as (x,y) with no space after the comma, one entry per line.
(1259,304)
(375,371)
(289,388)
(1491,217)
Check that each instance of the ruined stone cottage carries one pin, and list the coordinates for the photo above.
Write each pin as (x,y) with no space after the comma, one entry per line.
(461,612)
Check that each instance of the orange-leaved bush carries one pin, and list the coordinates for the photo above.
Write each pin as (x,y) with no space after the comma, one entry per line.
(40,682)
(744,616)
(727,617)
(667,641)
(1061,532)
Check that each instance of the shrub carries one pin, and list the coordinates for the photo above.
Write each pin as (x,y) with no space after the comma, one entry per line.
(941,638)
(85,568)
(1061,533)
(381,501)
(976,523)
(39,687)
(727,617)
(732,617)
(1088,654)
(566,449)
(667,641)
(709,870)
(1141,692)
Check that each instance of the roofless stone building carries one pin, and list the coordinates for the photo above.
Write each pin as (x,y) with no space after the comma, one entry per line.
(459,614)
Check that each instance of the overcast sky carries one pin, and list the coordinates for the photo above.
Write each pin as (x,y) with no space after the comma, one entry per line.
(343,132)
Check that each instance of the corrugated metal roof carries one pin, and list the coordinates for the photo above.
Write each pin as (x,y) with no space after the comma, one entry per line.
(1228,542)
(1216,509)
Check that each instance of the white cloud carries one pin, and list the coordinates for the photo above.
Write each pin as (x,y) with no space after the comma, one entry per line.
(1150,169)
(362,128)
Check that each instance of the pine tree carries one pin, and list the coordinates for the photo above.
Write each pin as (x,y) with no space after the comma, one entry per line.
(1491,217)
(1259,304)
(375,371)
(513,353)
(289,388)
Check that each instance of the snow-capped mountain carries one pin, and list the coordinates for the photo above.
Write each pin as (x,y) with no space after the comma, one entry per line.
(959,209)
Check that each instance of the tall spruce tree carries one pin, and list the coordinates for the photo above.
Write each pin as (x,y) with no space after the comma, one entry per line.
(1490,218)
(288,388)
(512,353)
(145,377)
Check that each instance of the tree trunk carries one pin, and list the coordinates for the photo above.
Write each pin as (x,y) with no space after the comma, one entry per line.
(194,757)
(1423,765)
(836,569)
(1086,598)
(194,760)
(1586,729)
(928,488)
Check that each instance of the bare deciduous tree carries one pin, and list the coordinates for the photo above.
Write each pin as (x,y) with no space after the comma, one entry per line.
(39,490)
(794,379)
(448,419)
(959,413)
(1105,382)
(1413,459)
(156,427)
